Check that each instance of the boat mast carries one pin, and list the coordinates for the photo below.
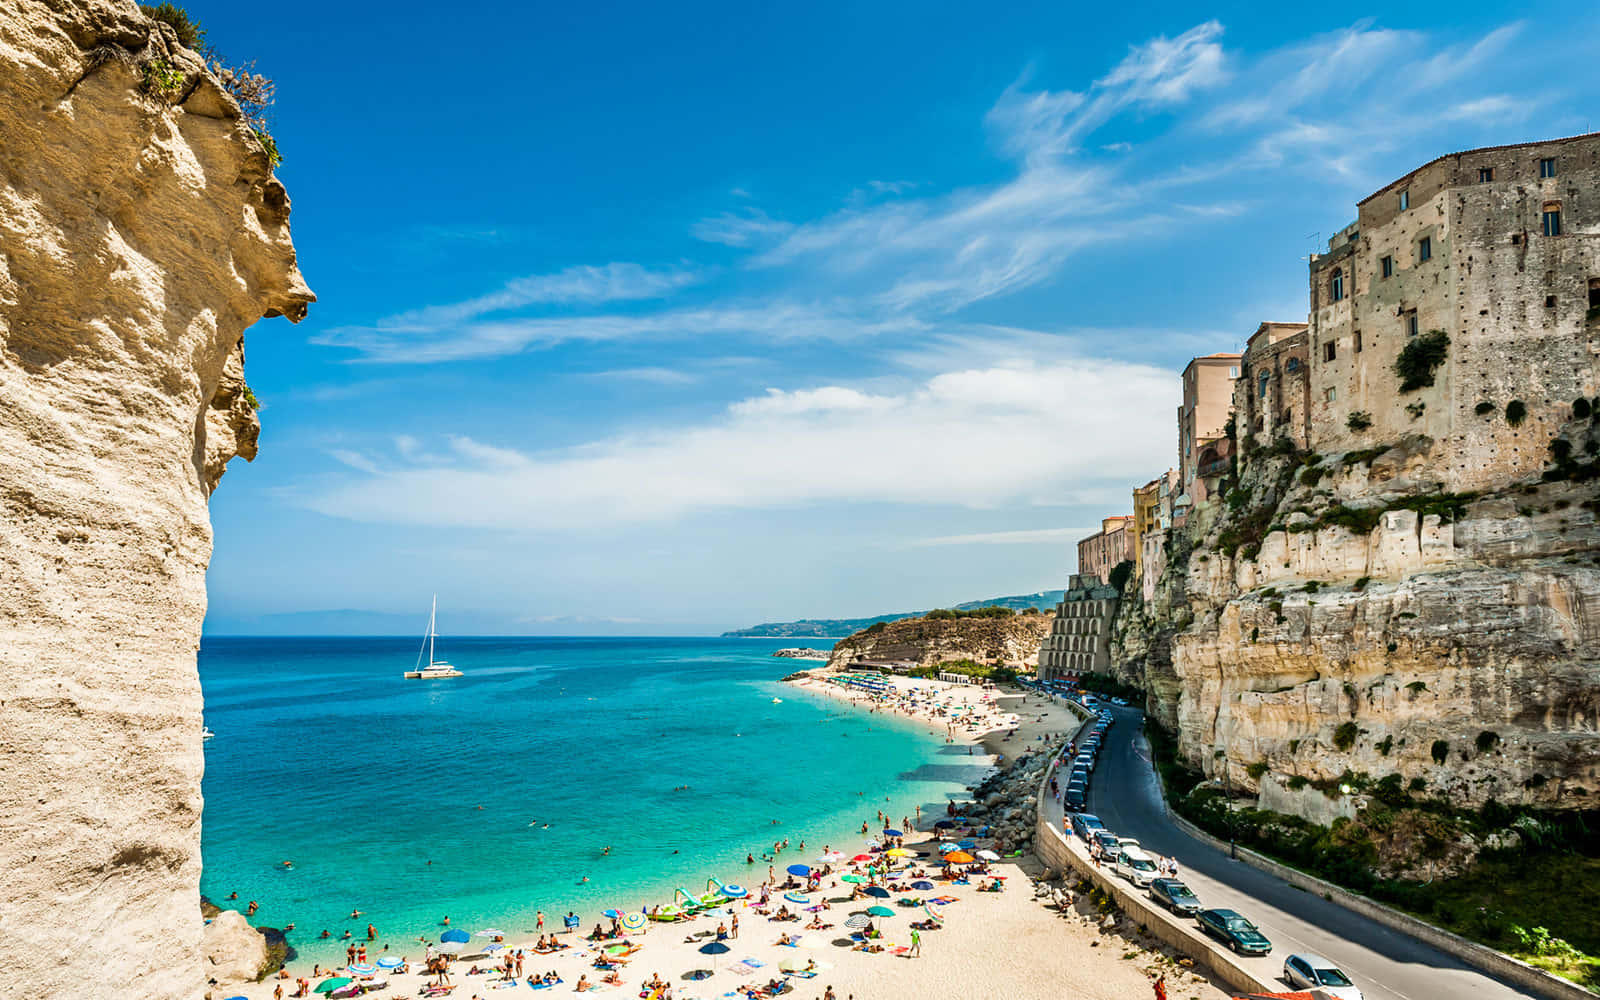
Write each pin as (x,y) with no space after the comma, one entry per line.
(431,631)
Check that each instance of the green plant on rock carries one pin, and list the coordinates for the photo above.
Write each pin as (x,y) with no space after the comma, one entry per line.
(1344,737)
(1311,475)
(187,28)
(1257,770)
(1420,358)
(250,398)
(159,78)
(1516,412)
(1384,746)
(1415,410)
(1417,687)
(1488,740)
(1440,751)
(1359,420)
(1118,577)
(1484,408)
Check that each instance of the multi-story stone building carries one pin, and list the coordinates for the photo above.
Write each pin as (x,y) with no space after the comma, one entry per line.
(1146,519)
(1099,554)
(1479,272)
(1202,417)
(1272,398)
(1080,636)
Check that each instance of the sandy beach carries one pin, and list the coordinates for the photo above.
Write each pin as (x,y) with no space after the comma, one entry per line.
(997,944)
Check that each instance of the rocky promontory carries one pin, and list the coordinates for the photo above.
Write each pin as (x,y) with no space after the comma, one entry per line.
(141,231)
(802,653)
(998,637)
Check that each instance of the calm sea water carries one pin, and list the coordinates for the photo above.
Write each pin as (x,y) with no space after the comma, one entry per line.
(411,800)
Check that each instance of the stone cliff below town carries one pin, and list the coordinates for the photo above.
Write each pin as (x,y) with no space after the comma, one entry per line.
(1341,616)
(140,235)
(932,640)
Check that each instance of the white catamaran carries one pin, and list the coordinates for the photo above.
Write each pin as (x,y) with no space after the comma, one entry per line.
(435,668)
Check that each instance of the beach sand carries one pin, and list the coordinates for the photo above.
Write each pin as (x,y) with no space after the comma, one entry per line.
(991,945)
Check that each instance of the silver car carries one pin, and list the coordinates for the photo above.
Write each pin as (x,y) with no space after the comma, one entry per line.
(1313,972)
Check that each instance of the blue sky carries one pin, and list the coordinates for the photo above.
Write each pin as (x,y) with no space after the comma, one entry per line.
(672,318)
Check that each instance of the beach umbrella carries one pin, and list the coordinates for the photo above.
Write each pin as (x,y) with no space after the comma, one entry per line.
(944,824)
(390,963)
(616,949)
(611,914)
(492,948)
(455,935)
(947,848)
(800,870)
(857,879)
(735,891)
(797,897)
(878,891)
(858,921)
(714,948)
(922,885)
(966,845)
(832,858)
(633,921)
(492,932)
(891,832)
(959,858)
(361,969)
(329,985)
(451,947)
(879,911)
(859,858)
(900,852)
(988,855)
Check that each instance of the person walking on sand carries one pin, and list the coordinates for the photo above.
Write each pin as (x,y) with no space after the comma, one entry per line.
(734,931)
(916,944)
(1161,987)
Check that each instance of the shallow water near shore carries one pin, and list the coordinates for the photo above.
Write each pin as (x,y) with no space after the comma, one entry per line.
(412,800)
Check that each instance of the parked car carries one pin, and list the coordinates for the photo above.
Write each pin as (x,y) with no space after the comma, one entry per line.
(1119,701)
(1136,866)
(1175,896)
(1075,799)
(1313,972)
(1235,931)
(1084,825)
(1104,843)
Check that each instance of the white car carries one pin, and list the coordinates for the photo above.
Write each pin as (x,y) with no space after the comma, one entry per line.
(1313,972)
(1137,867)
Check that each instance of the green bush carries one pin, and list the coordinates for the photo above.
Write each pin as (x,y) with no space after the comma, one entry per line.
(1257,769)
(1384,746)
(1516,412)
(1440,751)
(1298,782)
(1417,687)
(1311,476)
(1419,359)
(1119,574)
(188,29)
(1358,420)
(159,78)
(1345,736)
(1488,740)
(1484,408)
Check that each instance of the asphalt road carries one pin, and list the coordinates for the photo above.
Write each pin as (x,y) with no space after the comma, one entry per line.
(1383,962)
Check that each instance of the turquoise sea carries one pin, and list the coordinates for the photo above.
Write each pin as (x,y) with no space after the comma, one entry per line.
(412,800)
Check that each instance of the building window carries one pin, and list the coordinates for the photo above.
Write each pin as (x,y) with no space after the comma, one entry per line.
(1336,285)
(1386,267)
(1412,328)
(1233,372)
(1485,175)
(1262,383)
(1330,350)
(1424,249)
(1355,342)
(1330,394)
(1552,218)
(1405,199)
(1292,365)
(1547,167)
(1549,301)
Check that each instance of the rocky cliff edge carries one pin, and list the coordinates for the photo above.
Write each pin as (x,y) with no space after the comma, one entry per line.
(139,236)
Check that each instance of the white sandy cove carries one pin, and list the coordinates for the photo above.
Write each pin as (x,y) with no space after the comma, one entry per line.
(991,945)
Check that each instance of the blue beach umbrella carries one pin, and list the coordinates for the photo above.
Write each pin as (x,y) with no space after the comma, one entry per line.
(461,937)
(361,969)
(492,948)
(714,948)
(735,891)
(797,897)
(877,890)
(944,824)
(892,833)
(966,845)
(922,885)
(392,963)
(613,914)
(800,870)
(947,848)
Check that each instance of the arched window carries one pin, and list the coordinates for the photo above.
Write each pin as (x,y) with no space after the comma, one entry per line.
(1336,285)
(1261,384)
(1292,365)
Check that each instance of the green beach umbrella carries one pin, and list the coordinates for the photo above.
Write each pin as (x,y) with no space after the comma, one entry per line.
(329,985)
(880,911)
(857,879)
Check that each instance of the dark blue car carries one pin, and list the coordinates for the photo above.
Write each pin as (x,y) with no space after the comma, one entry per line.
(1085,824)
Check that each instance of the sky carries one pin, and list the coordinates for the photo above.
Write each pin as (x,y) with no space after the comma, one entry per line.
(668,319)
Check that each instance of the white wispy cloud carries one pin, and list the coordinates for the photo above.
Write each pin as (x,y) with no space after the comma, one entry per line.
(1033,536)
(740,229)
(1030,433)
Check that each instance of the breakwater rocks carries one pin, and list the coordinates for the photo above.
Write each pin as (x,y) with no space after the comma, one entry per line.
(143,231)
(932,640)
(1008,800)
(802,653)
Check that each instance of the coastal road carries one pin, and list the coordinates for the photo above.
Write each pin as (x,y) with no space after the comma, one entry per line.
(1385,963)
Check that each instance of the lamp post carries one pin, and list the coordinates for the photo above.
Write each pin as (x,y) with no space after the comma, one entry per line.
(1227,800)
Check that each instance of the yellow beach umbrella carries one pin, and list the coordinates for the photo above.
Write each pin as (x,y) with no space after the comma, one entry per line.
(900,852)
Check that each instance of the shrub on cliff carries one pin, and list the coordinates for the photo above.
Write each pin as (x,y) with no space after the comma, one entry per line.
(1120,573)
(1419,359)
(187,28)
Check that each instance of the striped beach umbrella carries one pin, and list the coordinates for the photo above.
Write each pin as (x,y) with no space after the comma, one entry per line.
(733,891)
(361,969)
(389,962)
(633,921)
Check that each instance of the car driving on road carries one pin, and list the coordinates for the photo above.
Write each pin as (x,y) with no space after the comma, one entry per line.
(1234,931)
(1313,972)
(1175,896)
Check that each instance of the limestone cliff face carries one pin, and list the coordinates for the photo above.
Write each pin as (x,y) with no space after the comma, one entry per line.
(139,236)
(929,641)
(1452,643)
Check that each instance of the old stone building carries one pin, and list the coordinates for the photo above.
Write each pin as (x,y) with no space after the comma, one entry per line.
(1272,398)
(1080,636)
(1479,273)
(1099,554)
(1202,417)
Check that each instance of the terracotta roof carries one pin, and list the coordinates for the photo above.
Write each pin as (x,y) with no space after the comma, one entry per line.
(1480,149)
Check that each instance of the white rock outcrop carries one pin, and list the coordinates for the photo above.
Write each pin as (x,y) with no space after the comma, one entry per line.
(139,236)
(235,952)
